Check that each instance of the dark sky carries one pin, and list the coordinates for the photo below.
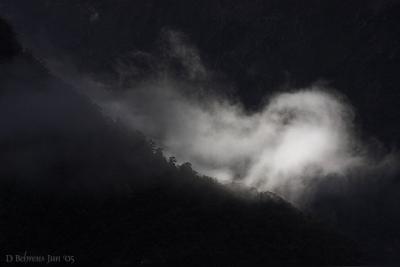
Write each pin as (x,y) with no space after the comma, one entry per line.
(252,48)
(256,46)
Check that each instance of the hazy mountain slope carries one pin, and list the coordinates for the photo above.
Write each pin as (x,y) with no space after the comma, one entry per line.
(75,183)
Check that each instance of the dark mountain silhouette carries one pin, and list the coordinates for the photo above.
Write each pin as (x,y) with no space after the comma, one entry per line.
(76,183)
(260,46)
(365,208)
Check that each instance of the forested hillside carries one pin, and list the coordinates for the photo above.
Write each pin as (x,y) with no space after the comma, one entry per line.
(76,183)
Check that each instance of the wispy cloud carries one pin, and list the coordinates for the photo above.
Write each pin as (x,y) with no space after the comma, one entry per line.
(298,136)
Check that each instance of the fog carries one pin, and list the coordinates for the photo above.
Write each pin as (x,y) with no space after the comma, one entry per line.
(300,134)
(265,98)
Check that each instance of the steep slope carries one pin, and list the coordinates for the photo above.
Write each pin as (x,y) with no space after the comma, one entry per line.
(75,183)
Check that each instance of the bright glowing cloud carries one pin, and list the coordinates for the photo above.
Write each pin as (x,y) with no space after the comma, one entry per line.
(297,136)
(305,133)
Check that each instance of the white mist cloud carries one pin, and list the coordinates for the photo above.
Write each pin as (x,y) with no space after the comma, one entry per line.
(297,136)
(305,133)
